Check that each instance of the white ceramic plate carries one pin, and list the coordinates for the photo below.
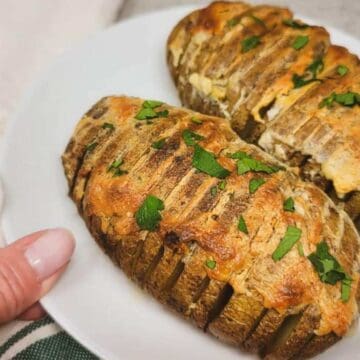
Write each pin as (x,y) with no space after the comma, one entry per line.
(94,301)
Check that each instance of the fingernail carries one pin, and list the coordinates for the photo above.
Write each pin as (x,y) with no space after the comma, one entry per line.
(50,252)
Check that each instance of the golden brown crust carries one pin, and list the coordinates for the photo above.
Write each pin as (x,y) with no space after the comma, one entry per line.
(255,90)
(234,299)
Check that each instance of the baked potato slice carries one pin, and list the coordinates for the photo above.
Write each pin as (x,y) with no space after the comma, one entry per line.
(317,345)
(206,242)
(282,85)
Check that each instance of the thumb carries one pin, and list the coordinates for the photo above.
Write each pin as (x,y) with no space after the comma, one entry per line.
(30,267)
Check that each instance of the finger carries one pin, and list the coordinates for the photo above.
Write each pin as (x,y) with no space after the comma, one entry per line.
(30,267)
(34,312)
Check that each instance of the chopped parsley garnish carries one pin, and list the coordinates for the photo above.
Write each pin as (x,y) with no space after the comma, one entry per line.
(300,249)
(342,70)
(346,99)
(196,120)
(316,67)
(300,41)
(300,81)
(255,183)
(163,113)
(211,264)
(108,126)
(246,163)
(115,168)
(242,225)
(238,155)
(90,147)
(158,144)
(310,75)
(191,138)
(147,110)
(213,191)
(329,269)
(346,289)
(152,104)
(233,22)
(206,162)
(148,215)
(119,172)
(328,101)
(257,20)
(292,235)
(146,113)
(289,204)
(249,43)
(222,185)
(115,164)
(295,24)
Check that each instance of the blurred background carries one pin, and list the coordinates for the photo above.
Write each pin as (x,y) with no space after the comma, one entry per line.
(34,32)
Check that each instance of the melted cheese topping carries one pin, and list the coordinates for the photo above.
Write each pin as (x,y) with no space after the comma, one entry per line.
(245,261)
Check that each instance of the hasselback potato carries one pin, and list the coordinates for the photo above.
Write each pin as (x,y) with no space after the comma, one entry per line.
(282,85)
(214,227)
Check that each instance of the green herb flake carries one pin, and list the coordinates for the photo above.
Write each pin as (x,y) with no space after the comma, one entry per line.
(289,204)
(316,67)
(213,191)
(114,167)
(257,20)
(238,155)
(328,101)
(232,22)
(247,163)
(147,110)
(163,113)
(211,264)
(118,172)
(152,104)
(329,269)
(196,120)
(115,164)
(222,185)
(146,113)
(292,235)
(342,70)
(300,249)
(300,81)
(345,289)
(191,138)
(108,126)
(348,99)
(242,225)
(300,41)
(206,162)
(295,24)
(90,147)
(148,215)
(250,43)
(158,144)
(255,183)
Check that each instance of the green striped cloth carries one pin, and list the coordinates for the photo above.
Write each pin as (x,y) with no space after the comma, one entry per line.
(42,339)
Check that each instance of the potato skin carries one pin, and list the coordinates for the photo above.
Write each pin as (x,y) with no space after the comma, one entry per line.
(244,297)
(262,93)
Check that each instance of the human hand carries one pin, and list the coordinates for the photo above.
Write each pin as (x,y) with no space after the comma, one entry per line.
(29,268)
